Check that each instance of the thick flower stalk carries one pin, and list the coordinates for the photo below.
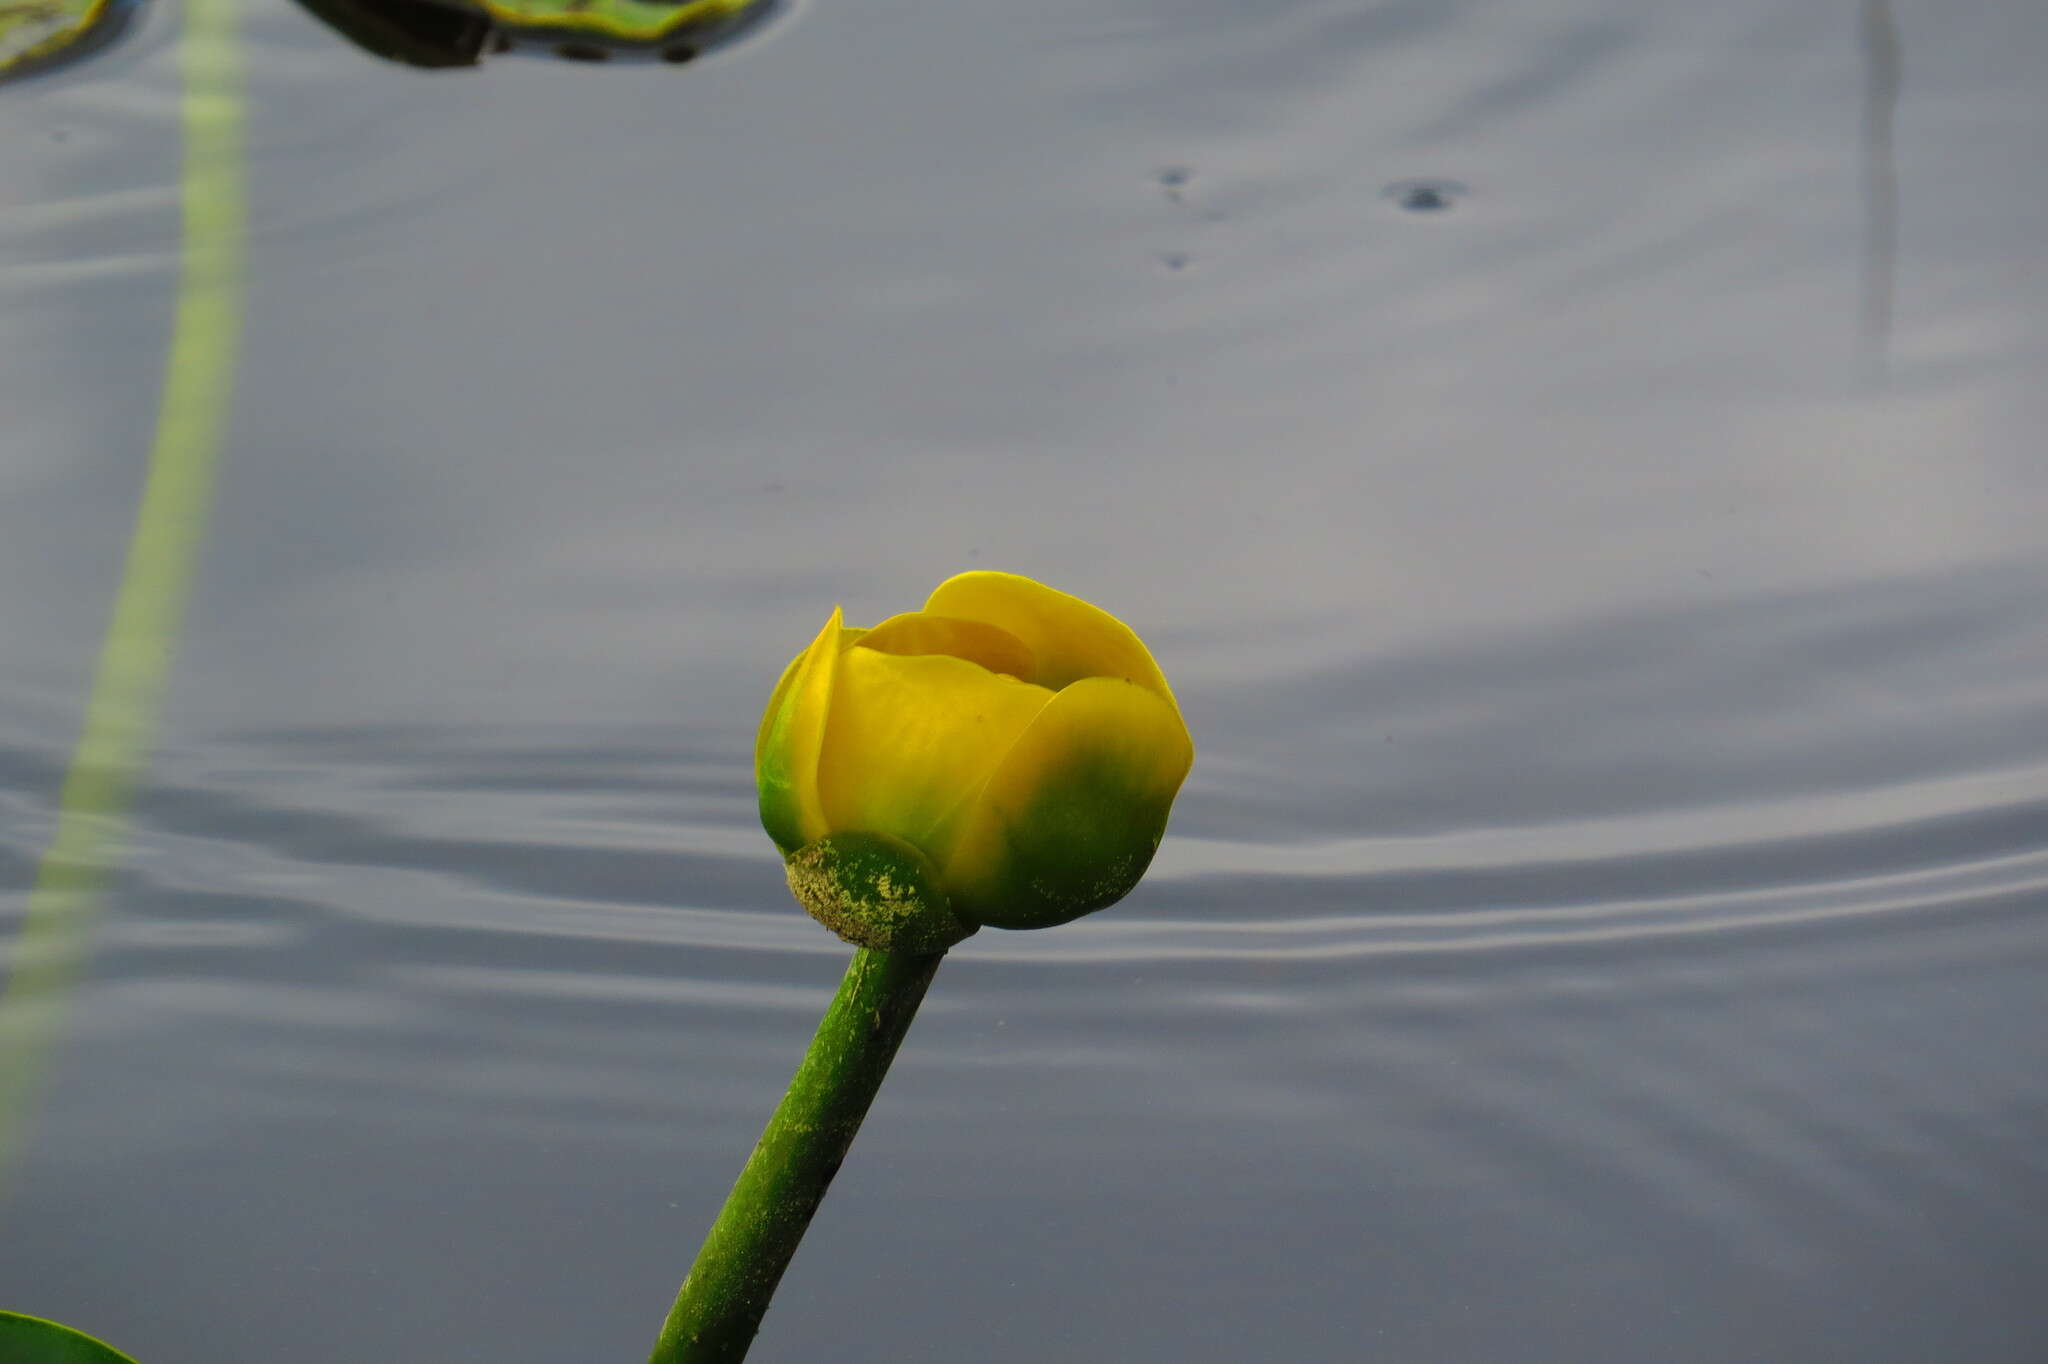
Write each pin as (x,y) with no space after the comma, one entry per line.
(1005,757)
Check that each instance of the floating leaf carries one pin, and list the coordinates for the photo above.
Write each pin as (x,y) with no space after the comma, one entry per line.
(31,1340)
(36,35)
(443,33)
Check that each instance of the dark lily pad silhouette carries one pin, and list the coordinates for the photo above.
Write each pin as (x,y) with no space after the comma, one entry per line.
(445,33)
(39,35)
(409,32)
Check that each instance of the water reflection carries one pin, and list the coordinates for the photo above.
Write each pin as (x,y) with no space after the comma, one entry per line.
(121,710)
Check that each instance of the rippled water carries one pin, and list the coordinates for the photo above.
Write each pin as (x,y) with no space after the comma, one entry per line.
(1606,918)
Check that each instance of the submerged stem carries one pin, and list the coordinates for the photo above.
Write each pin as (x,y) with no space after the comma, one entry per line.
(720,1305)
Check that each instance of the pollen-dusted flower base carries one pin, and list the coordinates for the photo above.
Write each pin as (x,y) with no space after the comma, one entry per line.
(875,891)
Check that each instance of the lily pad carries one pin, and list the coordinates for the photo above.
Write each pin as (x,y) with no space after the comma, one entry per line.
(38,35)
(31,1340)
(444,33)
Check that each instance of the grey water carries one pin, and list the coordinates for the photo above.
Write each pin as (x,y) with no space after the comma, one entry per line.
(1581,466)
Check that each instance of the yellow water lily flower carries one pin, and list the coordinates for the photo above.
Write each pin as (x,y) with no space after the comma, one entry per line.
(1005,756)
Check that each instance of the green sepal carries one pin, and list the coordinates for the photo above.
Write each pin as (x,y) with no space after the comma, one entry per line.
(1069,822)
(32,1340)
(1078,844)
(875,891)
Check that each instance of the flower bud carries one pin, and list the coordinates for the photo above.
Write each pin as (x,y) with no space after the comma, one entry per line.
(1006,756)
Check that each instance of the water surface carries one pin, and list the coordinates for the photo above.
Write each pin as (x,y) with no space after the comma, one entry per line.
(1606,917)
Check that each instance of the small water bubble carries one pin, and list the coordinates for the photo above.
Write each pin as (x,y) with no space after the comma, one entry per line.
(1174,260)
(1172,180)
(1425,196)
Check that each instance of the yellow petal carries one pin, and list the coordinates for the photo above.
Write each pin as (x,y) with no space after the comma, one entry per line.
(916,632)
(1070,819)
(775,701)
(912,739)
(1070,638)
(791,737)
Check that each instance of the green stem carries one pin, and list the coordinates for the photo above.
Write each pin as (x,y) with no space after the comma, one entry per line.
(720,1305)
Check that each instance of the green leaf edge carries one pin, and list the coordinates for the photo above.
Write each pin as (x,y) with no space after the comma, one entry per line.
(35,1340)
